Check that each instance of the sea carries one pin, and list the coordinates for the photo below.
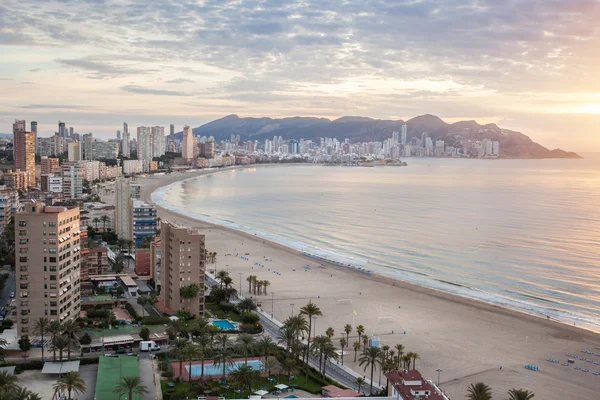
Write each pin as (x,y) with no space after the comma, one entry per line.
(521,234)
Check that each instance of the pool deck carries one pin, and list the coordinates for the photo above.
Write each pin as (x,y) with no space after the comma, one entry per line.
(184,373)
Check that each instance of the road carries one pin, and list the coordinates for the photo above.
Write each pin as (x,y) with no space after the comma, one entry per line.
(342,375)
(9,287)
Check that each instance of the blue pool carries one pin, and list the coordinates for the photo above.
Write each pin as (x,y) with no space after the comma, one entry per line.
(224,325)
(212,369)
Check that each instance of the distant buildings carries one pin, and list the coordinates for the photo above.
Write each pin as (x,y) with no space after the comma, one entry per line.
(47,262)
(125,192)
(182,264)
(187,149)
(131,167)
(72,180)
(9,206)
(125,149)
(49,165)
(143,220)
(24,152)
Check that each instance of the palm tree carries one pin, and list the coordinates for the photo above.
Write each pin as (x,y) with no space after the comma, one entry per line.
(245,344)
(246,305)
(130,245)
(359,381)
(310,310)
(204,341)
(8,382)
(415,357)
(250,279)
(520,394)
(55,329)
(365,340)
(70,327)
(356,346)
(348,330)
(400,350)
(244,375)
(406,361)
(289,366)
(190,352)
(188,292)
(343,344)
(40,328)
(329,332)
(360,330)
(270,365)
(221,275)
(318,347)
(130,385)
(371,356)
(265,344)
(328,353)
(479,391)
(287,335)
(70,382)
(96,221)
(266,284)
(177,352)
(60,343)
(104,220)
(224,358)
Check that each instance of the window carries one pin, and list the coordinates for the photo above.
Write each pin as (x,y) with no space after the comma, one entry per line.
(23,259)
(22,223)
(52,277)
(53,312)
(52,224)
(22,233)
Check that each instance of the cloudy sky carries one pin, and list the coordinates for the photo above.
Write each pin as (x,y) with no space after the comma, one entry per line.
(528,65)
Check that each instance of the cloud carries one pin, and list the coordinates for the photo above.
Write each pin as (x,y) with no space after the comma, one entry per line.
(101,69)
(54,106)
(36,70)
(160,92)
(180,80)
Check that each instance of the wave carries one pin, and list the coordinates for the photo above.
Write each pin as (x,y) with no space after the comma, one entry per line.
(513,300)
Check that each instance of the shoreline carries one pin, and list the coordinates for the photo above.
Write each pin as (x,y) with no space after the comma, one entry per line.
(467,338)
(332,262)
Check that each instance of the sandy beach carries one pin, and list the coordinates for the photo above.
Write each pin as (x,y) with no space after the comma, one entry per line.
(468,340)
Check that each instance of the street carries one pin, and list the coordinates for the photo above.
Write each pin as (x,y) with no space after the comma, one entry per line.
(9,287)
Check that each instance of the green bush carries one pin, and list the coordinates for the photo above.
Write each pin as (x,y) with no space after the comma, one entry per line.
(227,307)
(136,317)
(7,324)
(155,320)
(250,318)
(251,328)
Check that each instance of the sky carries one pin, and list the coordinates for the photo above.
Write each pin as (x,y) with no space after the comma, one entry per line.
(527,65)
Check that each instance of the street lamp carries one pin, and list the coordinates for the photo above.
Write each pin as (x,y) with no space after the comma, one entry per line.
(314,317)
(292,304)
(240,283)
(272,293)
(438,371)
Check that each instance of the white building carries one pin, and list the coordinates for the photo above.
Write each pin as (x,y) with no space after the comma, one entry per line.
(125,191)
(90,170)
(403,134)
(131,167)
(72,180)
(105,150)
(496,148)
(55,183)
(158,141)
(74,151)
(144,143)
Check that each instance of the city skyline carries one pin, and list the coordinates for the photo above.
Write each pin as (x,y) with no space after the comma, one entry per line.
(527,66)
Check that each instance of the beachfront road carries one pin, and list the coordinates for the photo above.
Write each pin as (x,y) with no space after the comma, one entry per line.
(338,373)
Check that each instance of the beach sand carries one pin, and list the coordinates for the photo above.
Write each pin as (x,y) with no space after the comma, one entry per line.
(467,339)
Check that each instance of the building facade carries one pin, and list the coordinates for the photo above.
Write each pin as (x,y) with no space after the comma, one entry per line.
(187,148)
(182,264)
(49,165)
(143,220)
(72,180)
(105,150)
(125,191)
(47,262)
(24,152)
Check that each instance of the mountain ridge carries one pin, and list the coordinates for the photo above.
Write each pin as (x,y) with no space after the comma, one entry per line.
(513,144)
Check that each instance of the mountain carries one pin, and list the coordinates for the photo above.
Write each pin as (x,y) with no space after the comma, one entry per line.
(361,129)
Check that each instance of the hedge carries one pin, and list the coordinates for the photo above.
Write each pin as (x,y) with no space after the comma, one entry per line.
(154,320)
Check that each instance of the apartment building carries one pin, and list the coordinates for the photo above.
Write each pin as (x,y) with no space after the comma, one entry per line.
(143,221)
(47,247)
(49,165)
(72,180)
(182,263)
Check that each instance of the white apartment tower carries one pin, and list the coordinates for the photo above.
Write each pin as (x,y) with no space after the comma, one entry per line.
(125,192)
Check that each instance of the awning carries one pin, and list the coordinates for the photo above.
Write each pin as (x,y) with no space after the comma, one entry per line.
(60,367)
(261,392)
(281,386)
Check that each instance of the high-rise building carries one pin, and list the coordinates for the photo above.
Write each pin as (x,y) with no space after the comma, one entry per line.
(90,170)
(172,130)
(88,149)
(403,133)
(118,135)
(144,143)
(125,191)
(70,131)
(75,151)
(34,129)
(187,148)
(49,165)
(62,129)
(155,261)
(72,180)
(24,152)
(143,220)
(47,261)
(105,150)
(9,206)
(158,141)
(125,149)
(182,263)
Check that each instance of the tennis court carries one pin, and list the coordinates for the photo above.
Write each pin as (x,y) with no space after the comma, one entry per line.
(110,372)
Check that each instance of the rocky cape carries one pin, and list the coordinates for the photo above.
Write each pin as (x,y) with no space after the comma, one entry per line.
(361,129)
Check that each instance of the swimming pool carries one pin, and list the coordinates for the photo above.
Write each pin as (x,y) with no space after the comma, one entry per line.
(224,324)
(211,369)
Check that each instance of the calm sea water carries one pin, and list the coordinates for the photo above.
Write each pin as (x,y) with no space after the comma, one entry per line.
(524,234)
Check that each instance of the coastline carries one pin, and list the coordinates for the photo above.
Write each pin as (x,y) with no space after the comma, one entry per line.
(454,304)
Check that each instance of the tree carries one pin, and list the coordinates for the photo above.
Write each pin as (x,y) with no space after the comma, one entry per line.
(359,381)
(250,279)
(244,375)
(130,385)
(190,352)
(60,343)
(177,352)
(360,330)
(370,357)
(329,332)
(266,284)
(245,345)
(310,310)
(365,340)
(247,305)
(328,353)
(343,344)
(204,341)
(265,344)
(289,366)
(479,391)
(70,382)
(55,329)
(145,333)
(130,245)
(348,331)
(70,327)
(40,328)
(24,344)
(86,339)
(356,346)
(224,358)
(400,350)
(8,382)
(2,346)
(520,394)
(96,221)
(188,292)
(146,300)
(104,220)
(221,275)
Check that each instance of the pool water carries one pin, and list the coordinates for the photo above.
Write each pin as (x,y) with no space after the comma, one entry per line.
(211,369)
(223,324)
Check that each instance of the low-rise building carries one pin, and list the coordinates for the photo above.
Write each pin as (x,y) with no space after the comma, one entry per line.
(143,262)
(131,167)
(95,262)
(410,385)
(49,165)
(90,170)
(9,206)
(15,179)
(51,183)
